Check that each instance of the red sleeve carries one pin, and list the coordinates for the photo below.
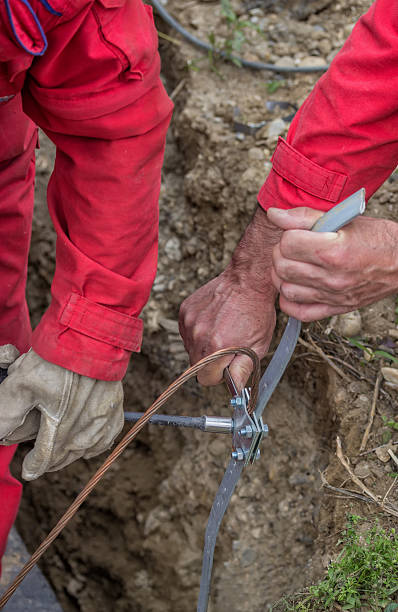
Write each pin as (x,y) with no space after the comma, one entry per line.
(97,93)
(345,135)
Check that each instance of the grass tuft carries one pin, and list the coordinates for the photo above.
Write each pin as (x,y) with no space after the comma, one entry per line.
(363,577)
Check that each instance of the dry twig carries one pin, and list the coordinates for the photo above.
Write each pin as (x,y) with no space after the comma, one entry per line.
(177,89)
(390,489)
(384,505)
(372,413)
(372,450)
(345,492)
(393,456)
(312,346)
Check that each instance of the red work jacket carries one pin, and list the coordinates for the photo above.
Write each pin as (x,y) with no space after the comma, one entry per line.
(345,135)
(89,75)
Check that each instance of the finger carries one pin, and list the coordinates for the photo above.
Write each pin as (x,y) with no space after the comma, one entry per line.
(276,280)
(213,374)
(302,273)
(296,218)
(312,247)
(240,369)
(310,312)
(310,295)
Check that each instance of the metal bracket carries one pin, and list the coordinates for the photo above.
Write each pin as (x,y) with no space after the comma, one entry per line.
(248,430)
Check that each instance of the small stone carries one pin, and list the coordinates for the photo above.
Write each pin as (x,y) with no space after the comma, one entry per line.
(285,62)
(312,60)
(255,154)
(248,557)
(390,375)
(176,347)
(362,401)
(393,333)
(340,396)
(276,128)
(217,448)
(74,587)
(382,453)
(169,325)
(349,324)
(236,545)
(257,533)
(284,506)
(172,249)
(362,470)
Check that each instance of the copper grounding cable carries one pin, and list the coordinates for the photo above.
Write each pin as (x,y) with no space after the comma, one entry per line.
(117,451)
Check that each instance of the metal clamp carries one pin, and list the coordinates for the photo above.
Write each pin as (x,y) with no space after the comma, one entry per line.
(248,430)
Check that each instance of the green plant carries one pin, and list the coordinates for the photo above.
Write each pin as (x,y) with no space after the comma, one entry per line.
(230,47)
(273,86)
(391,423)
(364,574)
(369,353)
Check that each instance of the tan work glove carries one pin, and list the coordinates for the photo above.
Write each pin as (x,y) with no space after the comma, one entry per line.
(70,415)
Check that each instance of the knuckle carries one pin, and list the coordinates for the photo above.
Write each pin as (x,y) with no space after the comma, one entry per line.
(217,341)
(334,257)
(198,331)
(337,284)
(289,293)
(285,243)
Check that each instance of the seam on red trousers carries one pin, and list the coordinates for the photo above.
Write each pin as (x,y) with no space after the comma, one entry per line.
(293,166)
(101,323)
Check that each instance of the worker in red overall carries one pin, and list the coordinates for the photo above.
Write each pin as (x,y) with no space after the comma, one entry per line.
(344,137)
(97,94)
(86,72)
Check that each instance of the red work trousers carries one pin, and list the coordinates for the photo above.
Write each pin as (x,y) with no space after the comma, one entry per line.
(87,72)
(19,135)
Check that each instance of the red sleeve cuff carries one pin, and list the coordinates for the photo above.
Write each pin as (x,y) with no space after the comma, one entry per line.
(88,338)
(296,181)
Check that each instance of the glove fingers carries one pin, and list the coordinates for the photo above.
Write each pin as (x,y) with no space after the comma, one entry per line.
(93,419)
(26,431)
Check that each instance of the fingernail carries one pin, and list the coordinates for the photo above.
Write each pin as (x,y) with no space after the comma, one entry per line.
(330,235)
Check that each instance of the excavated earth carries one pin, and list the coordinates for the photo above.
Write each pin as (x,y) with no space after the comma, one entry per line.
(136,544)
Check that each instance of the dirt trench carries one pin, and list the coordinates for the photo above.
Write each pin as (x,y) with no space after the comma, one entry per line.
(136,544)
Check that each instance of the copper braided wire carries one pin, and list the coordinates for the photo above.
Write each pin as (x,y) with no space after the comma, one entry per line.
(117,451)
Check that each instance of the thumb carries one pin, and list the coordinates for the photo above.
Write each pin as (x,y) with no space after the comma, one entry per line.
(240,369)
(296,218)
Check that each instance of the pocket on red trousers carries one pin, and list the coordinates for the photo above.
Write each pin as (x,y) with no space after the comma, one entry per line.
(128,30)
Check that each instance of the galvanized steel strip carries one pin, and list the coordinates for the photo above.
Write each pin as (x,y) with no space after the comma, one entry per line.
(224,494)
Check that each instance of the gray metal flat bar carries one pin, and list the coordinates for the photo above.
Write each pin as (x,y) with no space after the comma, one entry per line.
(217,512)
(277,365)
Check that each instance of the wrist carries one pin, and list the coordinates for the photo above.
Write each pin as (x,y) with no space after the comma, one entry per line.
(251,262)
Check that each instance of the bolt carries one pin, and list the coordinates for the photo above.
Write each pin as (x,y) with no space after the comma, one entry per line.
(258,454)
(236,401)
(265,429)
(238,454)
(246,432)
